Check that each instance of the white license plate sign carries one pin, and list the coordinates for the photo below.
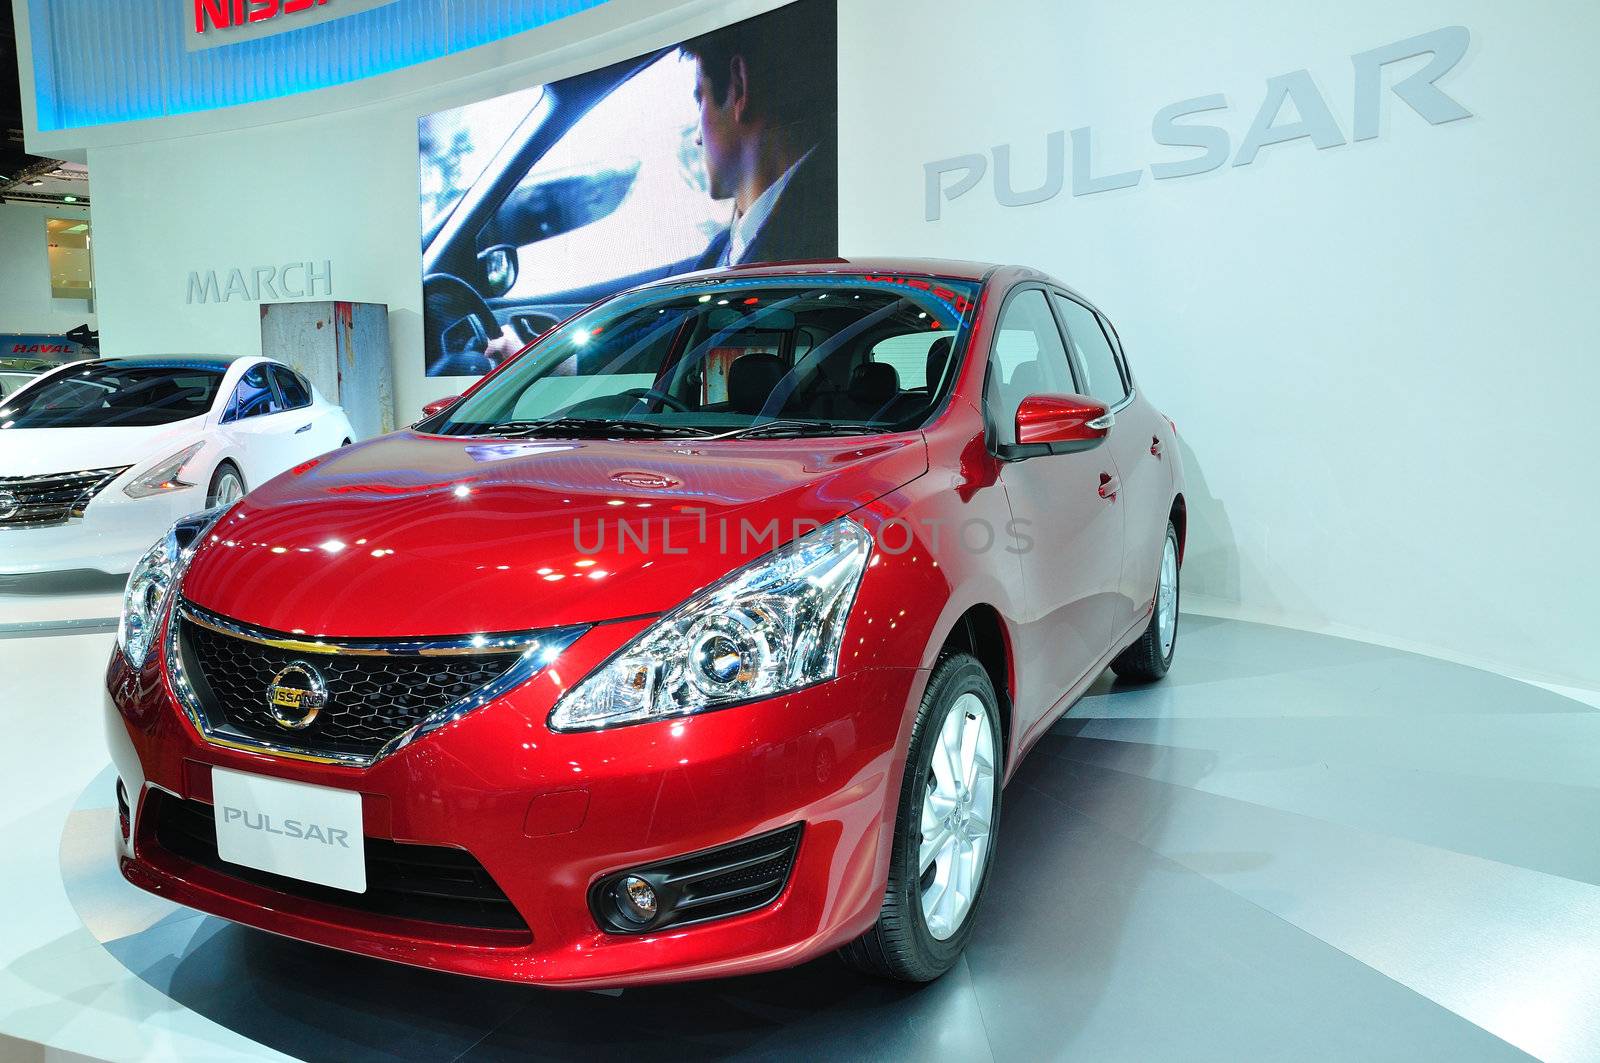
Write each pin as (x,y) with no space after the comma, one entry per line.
(312,833)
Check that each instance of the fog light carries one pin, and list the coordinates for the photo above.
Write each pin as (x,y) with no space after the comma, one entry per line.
(636,900)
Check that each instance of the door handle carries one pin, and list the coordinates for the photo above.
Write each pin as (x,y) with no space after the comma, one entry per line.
(1155,446)
(304,428)
(1109,486)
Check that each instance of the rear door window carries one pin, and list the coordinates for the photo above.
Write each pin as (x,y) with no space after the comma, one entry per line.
(1093,351)
(291,387)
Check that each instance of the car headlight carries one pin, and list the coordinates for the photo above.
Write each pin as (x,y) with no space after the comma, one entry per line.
(773,626)
(152,579)
(165,476)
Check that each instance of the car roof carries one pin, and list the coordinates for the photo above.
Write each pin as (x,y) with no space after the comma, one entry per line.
(218,362)
(931,267)
(951,268)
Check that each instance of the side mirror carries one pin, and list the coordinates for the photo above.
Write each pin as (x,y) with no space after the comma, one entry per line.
(439,405)
(499,266)
(547,205)
(1060,424)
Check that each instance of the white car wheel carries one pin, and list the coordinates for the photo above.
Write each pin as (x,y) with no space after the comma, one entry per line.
(227,487)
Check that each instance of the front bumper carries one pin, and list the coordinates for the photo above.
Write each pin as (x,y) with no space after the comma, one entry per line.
(499,784)
(111,536)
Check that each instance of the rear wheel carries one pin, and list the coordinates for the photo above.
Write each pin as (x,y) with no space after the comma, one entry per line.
(227,486)
(1151,656)
(945,830)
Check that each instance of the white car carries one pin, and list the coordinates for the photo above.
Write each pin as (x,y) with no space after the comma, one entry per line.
(98,459)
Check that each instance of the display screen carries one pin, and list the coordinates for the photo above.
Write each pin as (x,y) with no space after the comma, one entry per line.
(717,151)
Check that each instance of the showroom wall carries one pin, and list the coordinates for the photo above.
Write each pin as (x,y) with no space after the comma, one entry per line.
(1375,347)
(26,304)
(338,192)
(1379,354)
(277,182)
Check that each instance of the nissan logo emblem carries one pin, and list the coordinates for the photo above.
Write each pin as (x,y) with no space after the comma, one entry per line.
(296,695)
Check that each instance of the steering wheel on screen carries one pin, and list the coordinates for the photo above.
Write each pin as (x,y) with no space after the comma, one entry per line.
(660,397)
(459,327)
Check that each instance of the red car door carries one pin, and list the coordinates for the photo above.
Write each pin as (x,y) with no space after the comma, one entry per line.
(1068,523)
(1136,444)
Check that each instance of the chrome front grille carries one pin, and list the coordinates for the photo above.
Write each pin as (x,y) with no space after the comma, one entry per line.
(50,499)
(380,693)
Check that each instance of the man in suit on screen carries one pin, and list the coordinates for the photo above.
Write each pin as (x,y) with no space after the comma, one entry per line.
(767,92)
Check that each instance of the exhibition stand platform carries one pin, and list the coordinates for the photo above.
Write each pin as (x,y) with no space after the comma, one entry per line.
(1296,846)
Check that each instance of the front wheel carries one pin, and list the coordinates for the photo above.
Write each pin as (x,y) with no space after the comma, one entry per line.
(227,486)
(945,830)
(1151,656)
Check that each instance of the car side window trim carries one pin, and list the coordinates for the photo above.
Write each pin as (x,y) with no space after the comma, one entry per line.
(230,410)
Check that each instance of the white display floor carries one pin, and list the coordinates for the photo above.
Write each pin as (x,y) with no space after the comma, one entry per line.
(1296,847)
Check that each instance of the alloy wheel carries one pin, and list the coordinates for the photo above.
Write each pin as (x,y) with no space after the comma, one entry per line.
(1167,598)
(957,811)
(229,490)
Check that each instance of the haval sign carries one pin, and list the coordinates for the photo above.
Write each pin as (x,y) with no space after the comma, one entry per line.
(46,348)
(218,22)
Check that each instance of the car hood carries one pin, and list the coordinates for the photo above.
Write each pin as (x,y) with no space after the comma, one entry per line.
(35,451)
(412,535)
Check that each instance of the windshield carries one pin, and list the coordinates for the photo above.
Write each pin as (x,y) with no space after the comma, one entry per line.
(10,382)
(114,396)
(629,174)
(819,355)
(457,146)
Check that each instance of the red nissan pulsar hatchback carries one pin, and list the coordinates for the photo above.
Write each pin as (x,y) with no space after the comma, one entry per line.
(698,640)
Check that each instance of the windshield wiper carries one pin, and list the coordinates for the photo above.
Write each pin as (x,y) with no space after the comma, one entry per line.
(593,428)
(801,428)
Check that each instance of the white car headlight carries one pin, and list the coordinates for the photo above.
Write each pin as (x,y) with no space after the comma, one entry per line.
(164,477)
(773,626)
(152,579)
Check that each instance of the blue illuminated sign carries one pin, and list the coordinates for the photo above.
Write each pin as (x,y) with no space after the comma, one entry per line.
(121,62)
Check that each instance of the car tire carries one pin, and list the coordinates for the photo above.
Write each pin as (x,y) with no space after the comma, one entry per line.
(909,943)
(227,485)
(1150,657)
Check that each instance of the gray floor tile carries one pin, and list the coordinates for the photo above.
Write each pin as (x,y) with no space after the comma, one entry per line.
(1297,847)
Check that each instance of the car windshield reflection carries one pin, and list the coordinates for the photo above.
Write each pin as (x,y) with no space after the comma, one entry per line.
(765,357)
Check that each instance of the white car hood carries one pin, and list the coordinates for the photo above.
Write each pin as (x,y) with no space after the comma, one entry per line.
(35,451)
